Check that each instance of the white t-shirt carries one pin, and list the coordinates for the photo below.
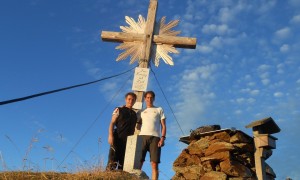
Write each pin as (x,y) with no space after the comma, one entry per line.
(151,118)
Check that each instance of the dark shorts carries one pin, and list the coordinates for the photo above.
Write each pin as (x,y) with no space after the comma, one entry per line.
(150,143)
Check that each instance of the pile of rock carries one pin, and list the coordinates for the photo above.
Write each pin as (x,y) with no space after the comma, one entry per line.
(222,154)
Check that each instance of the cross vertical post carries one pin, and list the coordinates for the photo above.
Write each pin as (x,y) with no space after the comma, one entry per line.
(147,44)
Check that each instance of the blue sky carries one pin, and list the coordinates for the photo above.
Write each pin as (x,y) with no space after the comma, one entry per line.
(246,67)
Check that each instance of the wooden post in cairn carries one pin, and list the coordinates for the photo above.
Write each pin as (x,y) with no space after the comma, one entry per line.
(144,40)
(264,142)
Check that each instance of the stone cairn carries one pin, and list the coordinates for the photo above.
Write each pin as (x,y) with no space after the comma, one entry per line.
(214,153)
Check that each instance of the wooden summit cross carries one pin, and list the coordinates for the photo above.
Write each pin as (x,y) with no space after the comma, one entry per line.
(143,40)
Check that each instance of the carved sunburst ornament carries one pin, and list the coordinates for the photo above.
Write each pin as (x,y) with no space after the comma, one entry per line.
(159,51)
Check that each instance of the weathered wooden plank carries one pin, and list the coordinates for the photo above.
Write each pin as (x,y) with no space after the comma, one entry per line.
(181,42)
(121,37)
(144,63)
(149,31)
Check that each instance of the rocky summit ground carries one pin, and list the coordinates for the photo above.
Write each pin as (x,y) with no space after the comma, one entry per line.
(104,175)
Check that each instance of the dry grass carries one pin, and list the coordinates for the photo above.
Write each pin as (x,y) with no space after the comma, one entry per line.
(120,175)
(89,170)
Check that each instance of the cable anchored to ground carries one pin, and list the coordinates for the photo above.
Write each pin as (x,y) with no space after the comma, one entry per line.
(166,100)
(61,89)
(93,123)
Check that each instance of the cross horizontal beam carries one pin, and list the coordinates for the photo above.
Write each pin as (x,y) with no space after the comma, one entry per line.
(179,42)
(122,37)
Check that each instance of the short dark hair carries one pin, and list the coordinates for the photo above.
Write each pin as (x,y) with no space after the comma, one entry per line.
(130,94)
(149,92)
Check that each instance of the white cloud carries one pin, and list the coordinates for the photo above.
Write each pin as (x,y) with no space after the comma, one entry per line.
(92,69)
(211,28)
(192,76)
(264,75)
(265,78)
(278,94)
(247,77)
(294,2)
(108,87)
(225,15)
(284,48)
(243,100)
(204,49)
(265,81)
(298,81)
(250,91)
(188,16)
(245,90)
(189,28)
(254,92)
(264,67)
(237,112)
(240,100)
(278,84)
(203,72)
(194,94)
(295,19)
(283,33)
(216,42)
(266,6)
(216,29)
(280,68)
(251,84)
(223,29)
(251,100)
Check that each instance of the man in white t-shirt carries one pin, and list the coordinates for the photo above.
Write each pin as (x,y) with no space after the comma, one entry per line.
(153,132)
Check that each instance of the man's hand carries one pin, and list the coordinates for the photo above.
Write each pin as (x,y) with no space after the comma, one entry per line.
(111,127)
(161,143)
(111,140)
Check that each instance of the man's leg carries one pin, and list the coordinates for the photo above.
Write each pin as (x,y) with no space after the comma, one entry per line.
(121,152)
(145,148)
(154,170)
(111,163)
(155,156)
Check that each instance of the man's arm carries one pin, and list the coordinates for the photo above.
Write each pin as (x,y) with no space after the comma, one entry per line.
(163,133)
(111,129)
(138,123)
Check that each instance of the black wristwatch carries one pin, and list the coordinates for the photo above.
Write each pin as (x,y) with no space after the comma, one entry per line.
(164,137)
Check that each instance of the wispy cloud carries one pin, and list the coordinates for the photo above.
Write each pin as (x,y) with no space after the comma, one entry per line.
(294,3)
(283,33)
(295,19)
(284,48)
(194,93)
(93,69)
(216,29)
(263,71)
(265,6)
(244,100)
(204,49)
(263,67)
(278,94)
